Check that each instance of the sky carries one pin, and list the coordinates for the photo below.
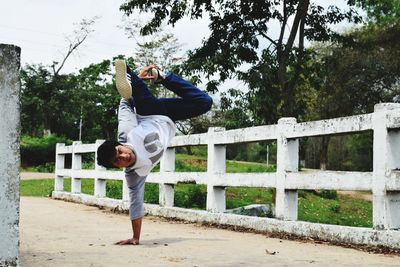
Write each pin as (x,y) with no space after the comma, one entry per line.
(40,28)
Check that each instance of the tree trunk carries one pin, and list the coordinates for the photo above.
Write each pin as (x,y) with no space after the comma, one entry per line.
(287,86)
(324,152)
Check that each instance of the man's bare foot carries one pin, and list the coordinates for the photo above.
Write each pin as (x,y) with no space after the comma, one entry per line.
(130,241)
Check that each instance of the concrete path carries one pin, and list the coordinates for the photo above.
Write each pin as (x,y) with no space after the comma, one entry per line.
(57,233)
(36,175)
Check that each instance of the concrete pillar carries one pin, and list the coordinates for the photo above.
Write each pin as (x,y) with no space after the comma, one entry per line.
(167,164)
(125,191)
(386,157)
(76,183)
(99,184)
(10,130)
(287,161)
(216,164)
(60,162)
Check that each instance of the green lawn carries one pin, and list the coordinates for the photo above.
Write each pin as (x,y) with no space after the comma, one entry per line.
(324,207)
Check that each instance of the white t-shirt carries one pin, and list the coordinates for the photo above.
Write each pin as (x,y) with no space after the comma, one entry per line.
(148,137)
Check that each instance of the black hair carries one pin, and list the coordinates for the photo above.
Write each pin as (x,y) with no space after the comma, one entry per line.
(106,152)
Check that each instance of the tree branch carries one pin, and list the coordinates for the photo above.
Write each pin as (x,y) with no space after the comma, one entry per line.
(264,35)
(80,36)
(301,10)
(283,27)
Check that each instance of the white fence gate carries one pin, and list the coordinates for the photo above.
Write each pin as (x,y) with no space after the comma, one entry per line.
(383,182)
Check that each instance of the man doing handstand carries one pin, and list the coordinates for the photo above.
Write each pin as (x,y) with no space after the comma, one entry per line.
(145,128)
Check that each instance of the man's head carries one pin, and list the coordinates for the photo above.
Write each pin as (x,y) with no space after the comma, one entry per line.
(113,154)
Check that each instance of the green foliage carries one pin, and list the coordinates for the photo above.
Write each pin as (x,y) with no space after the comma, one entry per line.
(47,167)
(351,152)
(40,151)
(151,193)
(380,12)
(237,167)
(58,103)
(335,208)
(342,211)
(328,194)
(45,103)
(240,35)
(252,152)
(190,196)
(191,166)
(360,152)
(114,189)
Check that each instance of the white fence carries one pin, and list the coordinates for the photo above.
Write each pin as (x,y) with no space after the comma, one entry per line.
(383,182)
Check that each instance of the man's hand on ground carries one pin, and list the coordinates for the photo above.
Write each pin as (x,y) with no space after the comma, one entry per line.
(130,241)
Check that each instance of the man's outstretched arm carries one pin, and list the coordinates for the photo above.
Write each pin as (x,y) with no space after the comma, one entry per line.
(136,228)
(136,209)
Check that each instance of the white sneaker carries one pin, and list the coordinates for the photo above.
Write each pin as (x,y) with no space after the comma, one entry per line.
(122,79)
(158,76)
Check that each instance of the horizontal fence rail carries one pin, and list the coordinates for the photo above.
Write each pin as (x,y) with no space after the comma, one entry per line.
(383,181)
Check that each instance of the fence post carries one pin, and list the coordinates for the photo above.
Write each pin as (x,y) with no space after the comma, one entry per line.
(216,164)
(76,182)
(386,157)
(287,161)
(99,184)
(167,164)
(60,161)
(10,131)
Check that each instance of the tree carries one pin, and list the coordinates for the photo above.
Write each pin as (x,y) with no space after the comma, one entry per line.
(97,100)
(46,92)
(161,48)
(240,34)
(79,35)
(380,12)
(351,78)
(45,102)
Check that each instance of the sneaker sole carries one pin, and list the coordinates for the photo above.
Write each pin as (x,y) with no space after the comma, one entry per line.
(122,83)
(154,73)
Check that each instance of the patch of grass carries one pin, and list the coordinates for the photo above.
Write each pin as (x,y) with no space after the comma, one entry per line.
(193,163)
(44,187)
(36,188)
(239,167)
(344,210)
(151,193)
(114,189)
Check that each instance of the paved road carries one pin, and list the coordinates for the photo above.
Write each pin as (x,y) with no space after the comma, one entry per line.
(58,233)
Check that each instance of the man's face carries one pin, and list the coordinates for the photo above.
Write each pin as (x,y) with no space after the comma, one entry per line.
(124,157)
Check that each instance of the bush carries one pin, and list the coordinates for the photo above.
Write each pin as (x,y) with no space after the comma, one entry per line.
(114,189)
(191,196)
(48,167)
(40,150)
(329,194)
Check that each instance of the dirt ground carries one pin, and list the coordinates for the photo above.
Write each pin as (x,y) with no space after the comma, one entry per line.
(58,233)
